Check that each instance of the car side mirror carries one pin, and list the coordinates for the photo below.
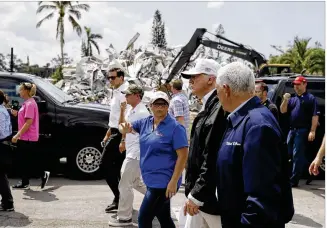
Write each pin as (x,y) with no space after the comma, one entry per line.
(41,104)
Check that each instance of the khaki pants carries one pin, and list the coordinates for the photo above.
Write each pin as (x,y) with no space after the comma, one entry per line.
(202,220)
(130,178)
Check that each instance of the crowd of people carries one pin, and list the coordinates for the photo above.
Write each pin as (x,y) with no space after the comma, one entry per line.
(234,155)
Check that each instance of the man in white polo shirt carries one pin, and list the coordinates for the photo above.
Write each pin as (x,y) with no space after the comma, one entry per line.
(130,171)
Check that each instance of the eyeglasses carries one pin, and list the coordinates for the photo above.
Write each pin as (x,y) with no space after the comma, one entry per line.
(157,105)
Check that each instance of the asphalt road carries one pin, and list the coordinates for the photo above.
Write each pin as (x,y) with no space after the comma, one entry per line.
(67,203)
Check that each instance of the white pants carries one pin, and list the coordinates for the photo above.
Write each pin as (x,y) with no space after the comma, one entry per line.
(130,178)
(202,220)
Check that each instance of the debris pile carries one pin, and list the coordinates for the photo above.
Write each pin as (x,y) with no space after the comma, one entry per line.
(146,66)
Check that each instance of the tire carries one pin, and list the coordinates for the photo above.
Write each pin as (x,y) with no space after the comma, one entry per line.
(84,163)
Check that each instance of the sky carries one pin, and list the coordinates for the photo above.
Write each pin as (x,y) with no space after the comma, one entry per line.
(256,24)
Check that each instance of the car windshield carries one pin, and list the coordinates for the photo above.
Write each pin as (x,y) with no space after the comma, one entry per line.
(53,90)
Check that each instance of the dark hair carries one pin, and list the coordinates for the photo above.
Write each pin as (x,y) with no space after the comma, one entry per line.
(2,97)
(120,72)
(263,86)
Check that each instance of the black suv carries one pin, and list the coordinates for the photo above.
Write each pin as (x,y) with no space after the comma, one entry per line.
(279,85)
(68,128)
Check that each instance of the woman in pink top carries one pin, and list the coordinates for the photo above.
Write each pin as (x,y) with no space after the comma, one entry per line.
(28,134)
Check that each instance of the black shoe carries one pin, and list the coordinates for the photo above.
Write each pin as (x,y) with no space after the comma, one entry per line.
(294,185)
(112,207)
(19,185)
(44,179)
(6,208)
(309,180)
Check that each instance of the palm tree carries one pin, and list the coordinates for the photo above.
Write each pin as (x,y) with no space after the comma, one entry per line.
(90,41)
(63,8)
(300,56)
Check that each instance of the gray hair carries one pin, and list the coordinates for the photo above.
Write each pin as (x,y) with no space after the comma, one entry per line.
(238,76)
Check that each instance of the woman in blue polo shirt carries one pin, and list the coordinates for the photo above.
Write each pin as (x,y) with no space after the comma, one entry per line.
(163,154)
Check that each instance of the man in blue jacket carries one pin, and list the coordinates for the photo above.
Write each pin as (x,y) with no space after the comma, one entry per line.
(251,183)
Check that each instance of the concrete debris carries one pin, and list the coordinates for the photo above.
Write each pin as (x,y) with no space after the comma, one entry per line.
(146,66)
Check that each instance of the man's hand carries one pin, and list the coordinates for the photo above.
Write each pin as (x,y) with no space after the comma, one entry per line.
(122,147)
(312,136)
(314,167)
(287,96)
(171,189)
(191,208)
(123,106)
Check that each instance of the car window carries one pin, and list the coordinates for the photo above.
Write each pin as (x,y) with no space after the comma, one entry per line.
(11,88)
(316,88)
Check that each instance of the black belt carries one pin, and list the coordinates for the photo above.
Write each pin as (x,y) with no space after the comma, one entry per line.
(297,128)
(5,139)
(114,130)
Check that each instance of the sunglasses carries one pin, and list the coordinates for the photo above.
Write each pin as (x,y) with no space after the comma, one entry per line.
(112,77)
(160,104)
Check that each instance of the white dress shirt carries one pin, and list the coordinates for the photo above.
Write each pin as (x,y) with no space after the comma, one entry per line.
(132,142)
(205,98)
(117,98)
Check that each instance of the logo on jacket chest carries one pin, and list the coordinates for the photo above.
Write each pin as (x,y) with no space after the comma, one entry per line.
(233,144)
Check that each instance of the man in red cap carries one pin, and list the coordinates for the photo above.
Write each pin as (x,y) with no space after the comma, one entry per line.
(303,111)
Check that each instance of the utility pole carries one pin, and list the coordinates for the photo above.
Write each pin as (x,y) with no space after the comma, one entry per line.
(12,60)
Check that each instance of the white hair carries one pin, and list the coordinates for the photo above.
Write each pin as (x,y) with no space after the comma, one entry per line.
(238,76)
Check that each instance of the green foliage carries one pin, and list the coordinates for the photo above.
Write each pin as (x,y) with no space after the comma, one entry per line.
(57,75)
(300,56)
(158,31)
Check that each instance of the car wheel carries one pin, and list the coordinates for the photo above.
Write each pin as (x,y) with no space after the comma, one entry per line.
(85,163)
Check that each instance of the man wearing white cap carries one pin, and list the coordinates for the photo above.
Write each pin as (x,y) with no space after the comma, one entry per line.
(207,131)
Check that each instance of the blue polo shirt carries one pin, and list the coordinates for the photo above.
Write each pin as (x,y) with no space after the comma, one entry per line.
(248,168)
(301,110)
(158,149)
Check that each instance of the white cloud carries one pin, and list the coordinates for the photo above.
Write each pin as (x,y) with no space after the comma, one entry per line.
(18,30)
(215,4)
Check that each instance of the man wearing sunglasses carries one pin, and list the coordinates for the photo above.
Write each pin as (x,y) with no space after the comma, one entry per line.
(112,159)
(207,131)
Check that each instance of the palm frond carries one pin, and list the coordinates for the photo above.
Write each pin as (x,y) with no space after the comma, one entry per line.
(95,45)
(84,7)
(76,13)
(47,7)
(58,27)
(48,17)
(95,36)
(75,25)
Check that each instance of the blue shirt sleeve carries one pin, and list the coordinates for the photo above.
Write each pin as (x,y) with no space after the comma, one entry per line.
(136,125)
(316,111)
(179,137)
(2,125)
(261,165)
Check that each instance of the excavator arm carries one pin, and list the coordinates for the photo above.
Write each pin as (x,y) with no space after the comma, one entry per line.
(234,49)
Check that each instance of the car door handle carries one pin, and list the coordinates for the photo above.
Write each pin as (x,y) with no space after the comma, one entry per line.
(46,135)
